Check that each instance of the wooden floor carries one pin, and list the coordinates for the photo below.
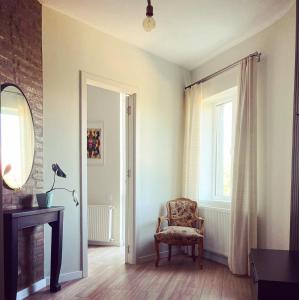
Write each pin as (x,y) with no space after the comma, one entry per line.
(110,278)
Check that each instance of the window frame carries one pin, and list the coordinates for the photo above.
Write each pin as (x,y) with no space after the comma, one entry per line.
(216,103)
(226,95)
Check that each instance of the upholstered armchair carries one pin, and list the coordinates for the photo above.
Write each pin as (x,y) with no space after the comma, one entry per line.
(185,228)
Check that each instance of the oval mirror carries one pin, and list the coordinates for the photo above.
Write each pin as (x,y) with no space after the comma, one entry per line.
(17,137)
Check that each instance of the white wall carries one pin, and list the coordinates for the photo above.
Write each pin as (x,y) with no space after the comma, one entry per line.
(104,180)
(70,46)
(275,97)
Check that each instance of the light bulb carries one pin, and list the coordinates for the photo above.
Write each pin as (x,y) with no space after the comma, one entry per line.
(149,23)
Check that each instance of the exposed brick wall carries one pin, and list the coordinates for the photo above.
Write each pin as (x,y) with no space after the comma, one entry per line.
(21,63)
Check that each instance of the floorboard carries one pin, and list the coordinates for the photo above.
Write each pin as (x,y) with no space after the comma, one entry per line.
(109,278)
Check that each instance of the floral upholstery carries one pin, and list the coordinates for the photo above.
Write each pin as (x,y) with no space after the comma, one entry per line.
(184,209)
(185,228)
(178,233)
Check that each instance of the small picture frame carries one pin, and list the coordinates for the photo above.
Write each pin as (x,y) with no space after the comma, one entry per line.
(95,143)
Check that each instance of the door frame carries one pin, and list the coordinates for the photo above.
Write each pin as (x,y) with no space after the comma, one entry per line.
(130,215)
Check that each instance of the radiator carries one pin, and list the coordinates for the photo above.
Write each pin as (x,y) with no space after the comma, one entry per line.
(100,223)
(217,223)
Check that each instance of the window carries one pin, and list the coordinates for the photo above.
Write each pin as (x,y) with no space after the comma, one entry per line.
(223,151)
(216,148)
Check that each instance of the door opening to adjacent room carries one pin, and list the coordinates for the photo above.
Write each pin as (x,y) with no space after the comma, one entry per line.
(107,175)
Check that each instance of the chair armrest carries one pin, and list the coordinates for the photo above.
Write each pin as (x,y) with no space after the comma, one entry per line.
(199,219)
(202,226)
(161,219)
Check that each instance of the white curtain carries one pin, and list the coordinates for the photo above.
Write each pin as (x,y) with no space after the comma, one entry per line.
(191,154)
(243,231)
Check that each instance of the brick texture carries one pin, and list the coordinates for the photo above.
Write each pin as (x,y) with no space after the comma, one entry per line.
(21,64)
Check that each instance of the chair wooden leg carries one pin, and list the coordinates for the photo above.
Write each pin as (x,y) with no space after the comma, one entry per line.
(157,246)
(193,252)
(200,252)
(169,252)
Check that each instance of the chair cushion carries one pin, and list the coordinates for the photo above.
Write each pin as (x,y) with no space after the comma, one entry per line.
(178,233)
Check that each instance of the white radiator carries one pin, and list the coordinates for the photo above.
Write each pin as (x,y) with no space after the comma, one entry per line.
(217,222)
(100,223)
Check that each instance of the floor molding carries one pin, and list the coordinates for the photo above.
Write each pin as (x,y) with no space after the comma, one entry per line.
(164,254)
(67,277)
(152,257)
(46,282)
(219,258)
(32,289)
(94,243)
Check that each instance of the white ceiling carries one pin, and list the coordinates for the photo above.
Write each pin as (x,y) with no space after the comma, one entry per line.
(188,32)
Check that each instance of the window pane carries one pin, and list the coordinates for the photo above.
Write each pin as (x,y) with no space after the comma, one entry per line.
(223,150)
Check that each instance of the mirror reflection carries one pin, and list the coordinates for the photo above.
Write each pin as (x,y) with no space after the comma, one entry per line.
(17,137)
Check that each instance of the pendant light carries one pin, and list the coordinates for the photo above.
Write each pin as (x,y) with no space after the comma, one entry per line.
(149,22)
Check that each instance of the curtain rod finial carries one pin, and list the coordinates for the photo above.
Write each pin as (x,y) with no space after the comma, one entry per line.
(259,56)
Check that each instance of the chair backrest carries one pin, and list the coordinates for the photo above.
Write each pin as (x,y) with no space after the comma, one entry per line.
(182,208)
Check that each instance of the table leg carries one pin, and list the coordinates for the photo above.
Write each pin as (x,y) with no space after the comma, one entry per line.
(11,258)
(56,252)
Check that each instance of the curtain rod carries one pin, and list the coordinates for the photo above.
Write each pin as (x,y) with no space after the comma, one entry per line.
(255,54)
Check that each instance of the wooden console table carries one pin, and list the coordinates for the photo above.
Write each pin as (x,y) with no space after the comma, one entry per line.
(16,219)
(275,274)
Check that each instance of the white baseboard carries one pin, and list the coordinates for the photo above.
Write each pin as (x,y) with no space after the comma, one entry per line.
(219,258)
(207,254)
(31,289)
(67,277)
(45,282)
(152,257)
(94,243)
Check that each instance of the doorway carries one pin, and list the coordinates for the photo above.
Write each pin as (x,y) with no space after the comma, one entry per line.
(107,170)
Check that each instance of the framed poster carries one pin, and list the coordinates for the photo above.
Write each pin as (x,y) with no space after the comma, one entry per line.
(95,143)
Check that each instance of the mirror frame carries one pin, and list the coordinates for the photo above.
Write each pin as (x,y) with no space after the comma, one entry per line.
(2,87)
